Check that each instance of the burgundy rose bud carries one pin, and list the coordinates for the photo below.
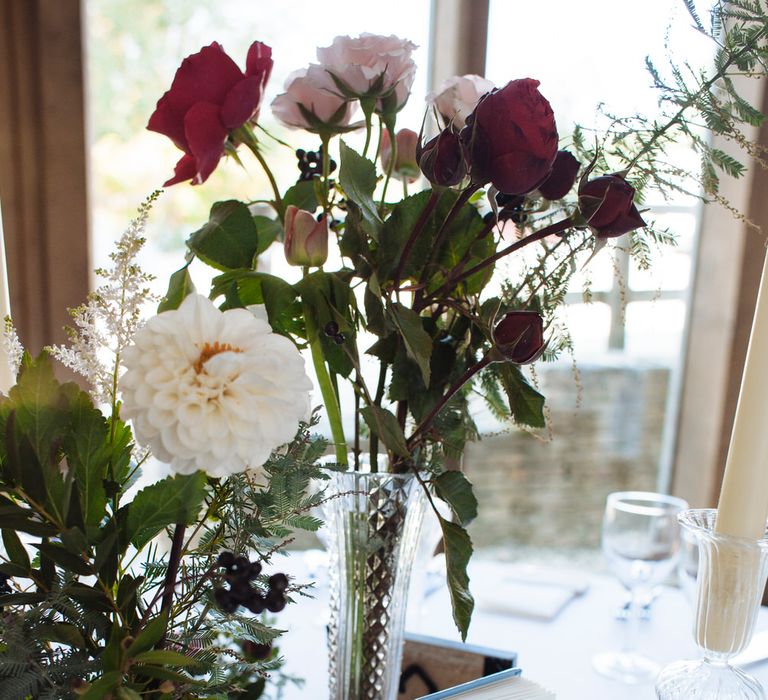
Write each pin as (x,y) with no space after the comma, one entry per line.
(306,238)
(405,159)
(607,204)
(562,177)
(442,159)
(519,337)
(210,97)
(511,138)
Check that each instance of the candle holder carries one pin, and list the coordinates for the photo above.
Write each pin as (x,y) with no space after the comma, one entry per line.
(730,582)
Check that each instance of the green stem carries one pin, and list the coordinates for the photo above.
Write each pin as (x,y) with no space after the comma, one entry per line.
(368,127)
(390,165)
(330,398)
(247,137)
(326,171)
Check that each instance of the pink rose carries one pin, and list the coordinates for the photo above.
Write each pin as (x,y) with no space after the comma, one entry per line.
(405,159)
(457,97)
(306,238)
(371,66)
(311,101)
(209,98)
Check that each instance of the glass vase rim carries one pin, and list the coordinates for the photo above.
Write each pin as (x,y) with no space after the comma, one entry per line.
(656,502)
(701,522)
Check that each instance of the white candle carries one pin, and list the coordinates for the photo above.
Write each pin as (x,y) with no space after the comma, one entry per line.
(7,380)
(743,506)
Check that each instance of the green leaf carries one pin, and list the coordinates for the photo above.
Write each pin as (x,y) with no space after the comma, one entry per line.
(268,230)
(301,195)
(385,425)
(164,657)
(357,176)
(278,297)
(180,286)
(103,686)
(456,490)
(171,501)
(88,453)
(61,633)
(65,559)
(148,637)
(229,239)
(458,550)
(526,405)
(395,234)
(418,344)
(15,550)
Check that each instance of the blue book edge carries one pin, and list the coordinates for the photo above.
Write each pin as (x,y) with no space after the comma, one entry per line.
(473,685)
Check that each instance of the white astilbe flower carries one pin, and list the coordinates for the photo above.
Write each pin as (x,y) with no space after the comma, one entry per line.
(213,390)
(107,322)
(11,346)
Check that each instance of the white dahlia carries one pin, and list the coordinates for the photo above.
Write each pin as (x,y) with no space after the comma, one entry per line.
(213,390)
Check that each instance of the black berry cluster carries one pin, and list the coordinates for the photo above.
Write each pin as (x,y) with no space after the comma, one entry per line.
(512,207)
(332,331)
(311,163)
(254,651)
(5,587)
(241,574)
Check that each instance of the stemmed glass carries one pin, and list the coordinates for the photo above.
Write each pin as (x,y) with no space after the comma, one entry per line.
(641,544)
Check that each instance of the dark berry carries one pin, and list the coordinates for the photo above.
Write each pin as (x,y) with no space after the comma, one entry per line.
(225,601)
(241,592)
(278,582)
(300,153)
(254,569)
(331,329)
(255,651)
(226,559)
(275,601)
(256,603)
(339,339)
(241,564)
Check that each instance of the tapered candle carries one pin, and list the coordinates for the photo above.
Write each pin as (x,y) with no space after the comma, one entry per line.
(7,380)
(743,505)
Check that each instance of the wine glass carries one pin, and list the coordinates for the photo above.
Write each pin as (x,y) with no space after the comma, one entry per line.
(641,544)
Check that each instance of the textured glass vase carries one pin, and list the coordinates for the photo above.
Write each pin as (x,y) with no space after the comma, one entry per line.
(730,582)
(373,523)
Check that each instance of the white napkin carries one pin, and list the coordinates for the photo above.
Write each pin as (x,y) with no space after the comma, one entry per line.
(533,592)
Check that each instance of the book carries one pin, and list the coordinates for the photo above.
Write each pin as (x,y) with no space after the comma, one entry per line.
(431,664)
(505,685)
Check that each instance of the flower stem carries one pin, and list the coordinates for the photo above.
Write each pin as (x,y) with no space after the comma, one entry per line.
(247,136)
(170,574)
(460,382)
(330,399)
(390,165)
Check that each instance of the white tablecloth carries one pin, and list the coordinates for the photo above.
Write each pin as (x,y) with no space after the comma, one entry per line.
(557,654)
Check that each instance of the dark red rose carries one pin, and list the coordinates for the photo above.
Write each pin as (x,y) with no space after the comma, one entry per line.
(607,204)
(511,138)
(442,159)
(562,177)
(209,97)
(519,336)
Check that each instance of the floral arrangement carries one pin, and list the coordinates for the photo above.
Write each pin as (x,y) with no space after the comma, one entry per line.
(93,605)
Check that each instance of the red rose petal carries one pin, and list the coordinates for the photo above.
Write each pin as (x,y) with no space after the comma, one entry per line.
(241,102)
(185,170)
(259,61)
(206,136)
(165,120)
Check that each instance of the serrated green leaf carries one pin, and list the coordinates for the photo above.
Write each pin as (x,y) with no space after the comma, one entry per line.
(301,195)
(418,344)
(456,490)
(268,231)
(229,240)
(357,176)
(164,657)
(174,500)
(526,405)
(64,559)
(180,286)
(395,233)
(385,425)
(148,637)
(458,550)
(102,687)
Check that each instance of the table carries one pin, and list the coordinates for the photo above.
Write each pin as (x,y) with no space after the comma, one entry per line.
(557,654)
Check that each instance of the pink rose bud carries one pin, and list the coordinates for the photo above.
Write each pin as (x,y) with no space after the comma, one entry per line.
(511,138)
(457,98)
(519,337)
(562,177)
(607,204)
(405,159)
(442,159)
(209,98)
(306,238)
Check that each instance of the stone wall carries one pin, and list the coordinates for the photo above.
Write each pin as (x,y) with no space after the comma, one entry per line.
(551,494)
